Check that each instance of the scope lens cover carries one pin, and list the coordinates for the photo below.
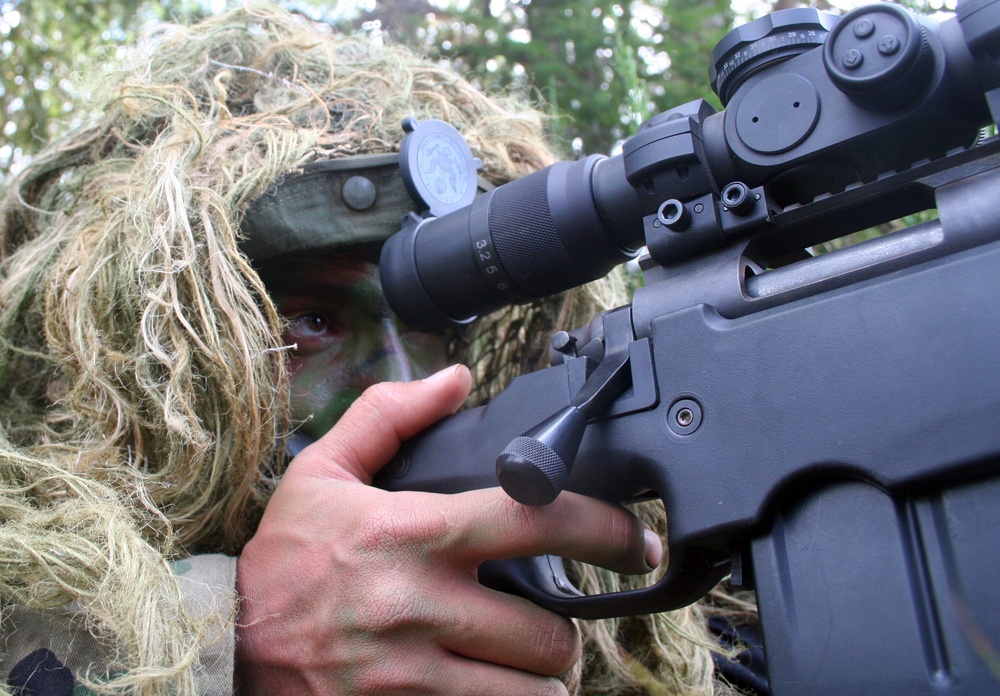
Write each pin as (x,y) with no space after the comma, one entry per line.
(437,165)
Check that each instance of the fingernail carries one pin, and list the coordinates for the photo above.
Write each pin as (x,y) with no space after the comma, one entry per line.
(441,374)
(654,548)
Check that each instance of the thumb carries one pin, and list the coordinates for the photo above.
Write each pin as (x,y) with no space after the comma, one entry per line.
(372,429)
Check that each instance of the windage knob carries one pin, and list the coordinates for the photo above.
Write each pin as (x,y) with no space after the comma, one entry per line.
(879,57)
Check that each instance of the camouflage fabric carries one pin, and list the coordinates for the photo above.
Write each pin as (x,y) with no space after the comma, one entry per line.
(47,653)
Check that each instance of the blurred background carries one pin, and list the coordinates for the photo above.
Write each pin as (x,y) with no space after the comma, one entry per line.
(599,68)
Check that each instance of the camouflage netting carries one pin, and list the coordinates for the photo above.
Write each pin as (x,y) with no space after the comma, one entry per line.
(143,383)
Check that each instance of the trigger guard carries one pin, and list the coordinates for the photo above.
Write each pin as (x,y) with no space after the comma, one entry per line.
(542,579)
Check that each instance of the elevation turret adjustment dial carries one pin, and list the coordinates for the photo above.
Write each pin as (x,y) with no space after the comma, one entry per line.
(778,36)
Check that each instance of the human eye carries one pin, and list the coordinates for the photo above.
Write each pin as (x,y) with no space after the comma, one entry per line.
(309,324)
(311,331)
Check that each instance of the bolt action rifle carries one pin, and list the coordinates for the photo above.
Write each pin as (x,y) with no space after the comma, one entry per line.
(826,429)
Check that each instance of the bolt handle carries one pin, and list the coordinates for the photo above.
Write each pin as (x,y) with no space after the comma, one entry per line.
(534,467)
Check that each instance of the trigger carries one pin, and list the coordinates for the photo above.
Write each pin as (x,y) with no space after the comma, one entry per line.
(558,572)
(531,577)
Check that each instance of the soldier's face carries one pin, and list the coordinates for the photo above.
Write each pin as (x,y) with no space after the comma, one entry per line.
(347,338)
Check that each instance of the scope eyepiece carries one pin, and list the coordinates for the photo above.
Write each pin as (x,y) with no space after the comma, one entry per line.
(530,238)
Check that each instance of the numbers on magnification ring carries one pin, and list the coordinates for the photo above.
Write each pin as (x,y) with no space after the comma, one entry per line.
(488,261)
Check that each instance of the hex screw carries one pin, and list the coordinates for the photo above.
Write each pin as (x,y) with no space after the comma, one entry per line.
(685,416)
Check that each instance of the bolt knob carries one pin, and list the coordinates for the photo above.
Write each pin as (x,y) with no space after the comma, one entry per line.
(534,467)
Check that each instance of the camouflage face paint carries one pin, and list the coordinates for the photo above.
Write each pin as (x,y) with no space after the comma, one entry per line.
(347,337)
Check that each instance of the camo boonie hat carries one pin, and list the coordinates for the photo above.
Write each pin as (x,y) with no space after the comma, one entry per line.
(363,198)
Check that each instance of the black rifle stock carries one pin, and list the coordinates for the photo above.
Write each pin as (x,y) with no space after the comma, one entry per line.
(826,429)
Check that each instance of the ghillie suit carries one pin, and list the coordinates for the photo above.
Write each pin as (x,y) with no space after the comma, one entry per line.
(143,382)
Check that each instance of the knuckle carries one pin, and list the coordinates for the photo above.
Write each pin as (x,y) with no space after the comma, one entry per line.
(382,531)
(402,529)
(399,676)
(395,607)
(386,610)
(556,645)
(378,399)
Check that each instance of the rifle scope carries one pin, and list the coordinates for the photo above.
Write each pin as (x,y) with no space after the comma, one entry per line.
(814,105)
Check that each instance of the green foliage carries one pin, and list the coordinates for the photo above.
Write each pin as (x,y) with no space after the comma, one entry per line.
(601,66)
(46,45)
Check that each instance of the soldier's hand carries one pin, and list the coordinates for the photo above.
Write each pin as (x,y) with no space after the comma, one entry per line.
(349,589)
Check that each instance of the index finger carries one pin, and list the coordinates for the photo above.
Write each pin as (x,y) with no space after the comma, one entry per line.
(489,525)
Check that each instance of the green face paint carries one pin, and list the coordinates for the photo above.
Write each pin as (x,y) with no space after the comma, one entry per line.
(346,337)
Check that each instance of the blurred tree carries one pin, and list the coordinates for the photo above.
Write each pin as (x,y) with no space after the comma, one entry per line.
(600,66)
(46,45)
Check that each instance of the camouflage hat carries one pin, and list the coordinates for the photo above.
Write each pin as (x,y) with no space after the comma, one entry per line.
(363,198)
(332,203)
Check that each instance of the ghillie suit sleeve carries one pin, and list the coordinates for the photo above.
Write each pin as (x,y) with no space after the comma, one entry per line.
(143,382)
